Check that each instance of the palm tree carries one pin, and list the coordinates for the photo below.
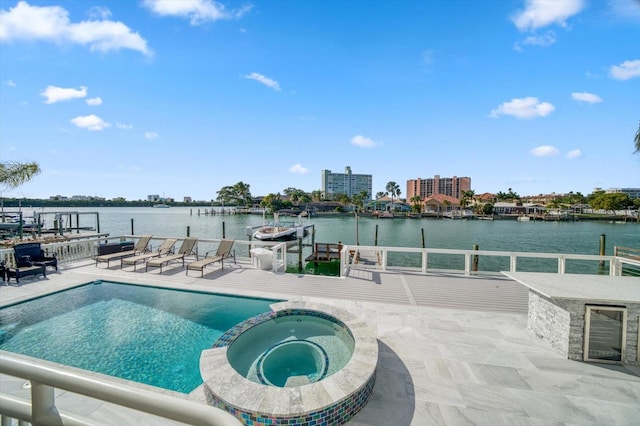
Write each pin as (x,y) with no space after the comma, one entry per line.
(637,140)
(415,201)
(242,193)
(392,189)
(467,197)
(14,174)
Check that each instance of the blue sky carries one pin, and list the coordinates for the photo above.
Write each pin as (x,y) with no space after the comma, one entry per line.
(131,98)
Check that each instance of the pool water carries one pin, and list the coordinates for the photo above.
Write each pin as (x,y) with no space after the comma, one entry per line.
(145,334)
(289,347)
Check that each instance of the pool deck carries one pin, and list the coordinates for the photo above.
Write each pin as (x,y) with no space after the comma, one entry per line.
(453,350)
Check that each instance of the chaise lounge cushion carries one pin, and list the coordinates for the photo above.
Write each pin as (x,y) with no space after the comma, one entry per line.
(30,254)
(224,251)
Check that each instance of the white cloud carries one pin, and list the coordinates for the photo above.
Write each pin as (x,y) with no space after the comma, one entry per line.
(150,135)
(586,97)
(124,126)
(574,153)
(545,151)
(264,80)
(197,11)
(626,70)
(542,13)
(52,24)
(299,169)
(363,141)
(528,107)
(94,101)
(56,94)
(90,122)
(10,83)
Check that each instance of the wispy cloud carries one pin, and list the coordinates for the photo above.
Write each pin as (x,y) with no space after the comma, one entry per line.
(626,70)
(51,24)
(150,135)
(90,122)
(544,40)
(10,83)
(586,97)
(263,80)
(528,107)
(94,101)
(363,141)
(545,151)
(542,13)
(99,12)
(124,126)
(298,169)
(55,94)
(574,153)
(427,56)
(197,11)
(625,9)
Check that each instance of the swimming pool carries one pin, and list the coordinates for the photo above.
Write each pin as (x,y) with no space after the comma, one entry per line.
(146,334)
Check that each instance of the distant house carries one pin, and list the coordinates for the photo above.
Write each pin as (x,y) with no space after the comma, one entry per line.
(485,197)
(440,203)
(515,208)
(388,204)
(321,206)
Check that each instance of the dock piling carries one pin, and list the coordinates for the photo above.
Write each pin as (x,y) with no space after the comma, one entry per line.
(475,259)
(375,239)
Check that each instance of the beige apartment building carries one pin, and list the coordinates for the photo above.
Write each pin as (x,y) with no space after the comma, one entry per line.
(453,186)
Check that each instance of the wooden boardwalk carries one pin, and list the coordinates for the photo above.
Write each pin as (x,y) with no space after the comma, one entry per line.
(486,293)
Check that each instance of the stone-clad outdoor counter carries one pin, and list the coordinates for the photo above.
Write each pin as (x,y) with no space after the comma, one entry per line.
(558,303)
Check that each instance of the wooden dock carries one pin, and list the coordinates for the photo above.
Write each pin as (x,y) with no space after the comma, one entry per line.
(325,252)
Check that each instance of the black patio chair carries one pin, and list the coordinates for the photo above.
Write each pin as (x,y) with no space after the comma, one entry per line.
(32,254)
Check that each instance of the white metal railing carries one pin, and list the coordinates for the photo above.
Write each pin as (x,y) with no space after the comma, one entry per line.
(45,377)
(350,255)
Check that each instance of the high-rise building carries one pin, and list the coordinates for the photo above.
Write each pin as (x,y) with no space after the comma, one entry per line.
(345,183)
(453,187)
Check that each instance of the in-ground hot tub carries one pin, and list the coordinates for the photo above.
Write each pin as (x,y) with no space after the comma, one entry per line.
(300,363)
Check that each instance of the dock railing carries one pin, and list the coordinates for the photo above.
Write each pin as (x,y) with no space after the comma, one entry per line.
(624,261)
(366,257)
(630,259)
(45,377)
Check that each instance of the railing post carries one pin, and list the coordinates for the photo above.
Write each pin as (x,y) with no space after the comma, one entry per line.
(424,261)
(43,404)
(384,259)
(561,264)
(467,264)
(513,263)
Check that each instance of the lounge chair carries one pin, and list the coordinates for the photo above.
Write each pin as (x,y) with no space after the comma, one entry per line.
(223,252)
(32,254)
(165,249)
(186,249)
(140,247)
